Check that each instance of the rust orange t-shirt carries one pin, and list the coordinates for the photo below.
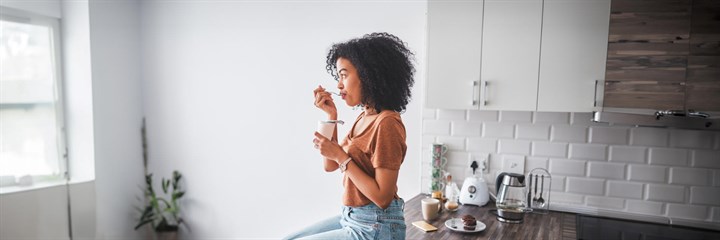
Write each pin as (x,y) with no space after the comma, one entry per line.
(380,145)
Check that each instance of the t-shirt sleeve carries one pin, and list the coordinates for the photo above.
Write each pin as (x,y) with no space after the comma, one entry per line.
(389,148)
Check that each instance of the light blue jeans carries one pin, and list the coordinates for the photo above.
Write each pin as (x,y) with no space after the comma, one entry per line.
(366,222)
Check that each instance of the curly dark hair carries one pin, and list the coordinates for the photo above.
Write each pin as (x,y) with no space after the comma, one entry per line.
(384,66)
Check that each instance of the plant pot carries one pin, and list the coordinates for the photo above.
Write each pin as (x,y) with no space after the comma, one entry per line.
(171,235)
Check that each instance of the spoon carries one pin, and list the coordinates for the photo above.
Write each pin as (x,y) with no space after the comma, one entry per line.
(540,200)
(535,197)
(333,93)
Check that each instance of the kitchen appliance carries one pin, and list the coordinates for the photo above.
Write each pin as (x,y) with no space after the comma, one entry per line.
(511,194)
(474,189)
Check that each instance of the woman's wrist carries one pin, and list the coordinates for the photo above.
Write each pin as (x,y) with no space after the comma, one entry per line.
(332,116)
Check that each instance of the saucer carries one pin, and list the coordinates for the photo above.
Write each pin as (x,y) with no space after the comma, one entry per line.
(459,226)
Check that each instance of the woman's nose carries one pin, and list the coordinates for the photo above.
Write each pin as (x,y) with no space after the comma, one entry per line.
(340,85)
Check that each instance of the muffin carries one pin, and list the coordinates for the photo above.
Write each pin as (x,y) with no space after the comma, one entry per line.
(469,222)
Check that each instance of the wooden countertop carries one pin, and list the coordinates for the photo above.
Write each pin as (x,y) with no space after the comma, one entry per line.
(553,225)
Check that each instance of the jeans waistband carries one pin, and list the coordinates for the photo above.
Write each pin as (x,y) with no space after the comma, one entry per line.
(395,205)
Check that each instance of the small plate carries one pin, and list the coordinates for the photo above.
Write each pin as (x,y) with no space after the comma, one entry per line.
(459,226)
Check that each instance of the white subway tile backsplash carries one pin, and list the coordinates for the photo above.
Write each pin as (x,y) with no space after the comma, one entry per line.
(483,116)
(477,144)
(567,167)
(691,139)
(453,143)
(706,158)
(557,184)
(427,140)
(665,193)
(655,137)
(705,195)
(533,131)
(588,151)
(668,156)
(690,176)
(586,186)
(645,207)
(627,154)
(514,146)
(468,129)
(563,197)
(498,130)
(535,162)
(549,149)
(605,202)
(645,173)
(515,117)
(687,211)
(551,117)
(429,114)
(624,189)
(437,127)
(653,171)
(609,135)
(454,115)
(606,170)
(565,133)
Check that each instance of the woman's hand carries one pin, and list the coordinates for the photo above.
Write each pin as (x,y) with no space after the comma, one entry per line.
(324,101)
(329,149)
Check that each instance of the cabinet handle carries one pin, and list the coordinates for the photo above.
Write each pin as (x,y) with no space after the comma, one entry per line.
(474,101)
(595,93)
(485,90)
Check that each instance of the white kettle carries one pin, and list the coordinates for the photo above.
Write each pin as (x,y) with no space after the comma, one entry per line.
(474,189)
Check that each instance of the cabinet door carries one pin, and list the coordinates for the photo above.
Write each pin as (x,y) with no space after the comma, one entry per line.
(454,34)
(511,54)
(572,55)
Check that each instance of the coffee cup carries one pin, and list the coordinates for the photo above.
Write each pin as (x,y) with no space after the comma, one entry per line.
(327,127)
(438,149)
(431,208)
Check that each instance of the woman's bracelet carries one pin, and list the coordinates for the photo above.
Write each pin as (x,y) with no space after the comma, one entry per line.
(343,165)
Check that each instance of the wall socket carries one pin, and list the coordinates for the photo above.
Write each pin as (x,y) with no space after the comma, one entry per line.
(514,164)
(482,161)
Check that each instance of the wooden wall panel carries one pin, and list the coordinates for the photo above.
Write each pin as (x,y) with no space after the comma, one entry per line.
(648,45)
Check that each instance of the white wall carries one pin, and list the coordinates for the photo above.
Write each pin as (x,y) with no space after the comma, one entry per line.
(117,111)
(227,94)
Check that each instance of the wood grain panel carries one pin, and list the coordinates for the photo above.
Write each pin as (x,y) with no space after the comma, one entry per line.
(705,29)
(644,94)
(650,5)
(703,83)
(677,23)
(646,68)
(628,48)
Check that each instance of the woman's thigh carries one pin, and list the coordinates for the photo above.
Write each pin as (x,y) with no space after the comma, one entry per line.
(327,225)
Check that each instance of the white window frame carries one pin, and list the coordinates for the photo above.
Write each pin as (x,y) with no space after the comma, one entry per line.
(41,181)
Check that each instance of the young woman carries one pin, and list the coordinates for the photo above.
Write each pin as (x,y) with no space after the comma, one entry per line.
(376,73)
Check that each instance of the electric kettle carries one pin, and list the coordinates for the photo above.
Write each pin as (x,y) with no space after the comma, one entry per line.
(510,202)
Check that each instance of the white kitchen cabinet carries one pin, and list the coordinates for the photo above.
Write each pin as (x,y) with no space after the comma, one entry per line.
(533,55)
(454,35)
(510,54)
(573,54)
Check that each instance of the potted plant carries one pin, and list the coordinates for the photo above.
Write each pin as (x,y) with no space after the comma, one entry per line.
(162,214)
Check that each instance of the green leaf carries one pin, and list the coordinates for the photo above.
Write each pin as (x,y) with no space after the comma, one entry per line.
(178,195)
(142,223)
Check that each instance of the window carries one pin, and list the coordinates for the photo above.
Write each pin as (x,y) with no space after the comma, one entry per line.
(31,121)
